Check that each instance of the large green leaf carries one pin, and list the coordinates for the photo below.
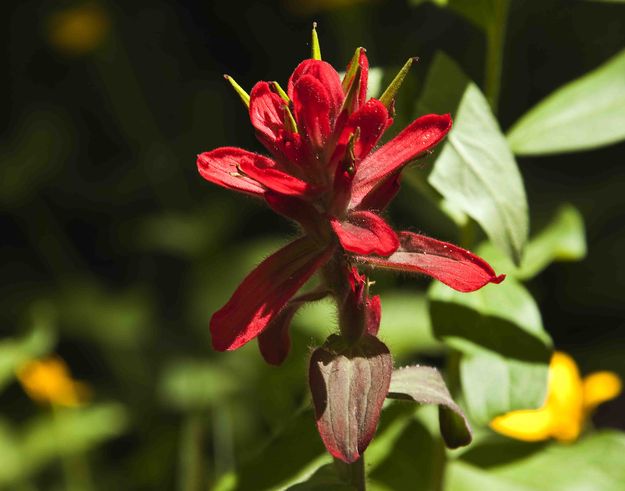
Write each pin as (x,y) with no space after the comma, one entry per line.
(425,385)
(586,113)
(476,170)
(562,239)
(506,351)
(595,463)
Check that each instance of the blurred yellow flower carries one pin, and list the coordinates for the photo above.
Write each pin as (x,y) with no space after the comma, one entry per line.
(570,400)
(48,381)
(78,30)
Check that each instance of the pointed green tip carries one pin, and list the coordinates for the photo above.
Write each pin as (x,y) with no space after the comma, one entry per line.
(391,91)
(354,64)
(315,49)
(245,97)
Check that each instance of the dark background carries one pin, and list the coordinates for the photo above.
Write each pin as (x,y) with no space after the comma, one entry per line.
(105,220)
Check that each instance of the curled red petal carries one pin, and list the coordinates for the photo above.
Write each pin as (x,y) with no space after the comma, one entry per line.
(275,342)
(311,104)
(456,267)
(421,135)
(266,111)
(364,232)
(327,76)
(263,293)
(265,171)
(222,166)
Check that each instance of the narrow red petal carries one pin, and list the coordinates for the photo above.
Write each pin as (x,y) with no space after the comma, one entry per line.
(264,171)
(261,296)
(362,81)
(420,136)
(222,167)
(450,264)
(373,315)
(364,232)
(381,196)
(327,76)
(275,341)
(266,111)
(312,110)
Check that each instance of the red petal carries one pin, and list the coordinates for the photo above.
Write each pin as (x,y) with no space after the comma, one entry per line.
(221,166)
(328,78)
(297,209)
(450,264)
(364,232)
(373,315)
(266,111)
(381,196)
(275,342)
(261,295)
(312,110)
(422,134)
(265,172)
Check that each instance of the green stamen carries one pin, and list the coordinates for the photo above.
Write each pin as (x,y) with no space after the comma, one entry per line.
(315,49)
(391,91)
(245,97)
(281,92)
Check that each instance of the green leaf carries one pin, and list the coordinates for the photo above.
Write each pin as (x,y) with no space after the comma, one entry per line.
(505,349)
(194,384)
(66,432)
(594,463)
(15,352)
(477,172)
(290,456)
(562,239)
(324,478)
(586,113)
(424,385)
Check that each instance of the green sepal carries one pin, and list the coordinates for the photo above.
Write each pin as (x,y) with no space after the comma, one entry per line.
(354,65)
(281,92)
(315,48)
(391,91)
(245,97)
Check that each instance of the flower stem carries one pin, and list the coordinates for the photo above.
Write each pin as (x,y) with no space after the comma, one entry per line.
(495,38)
(353,473)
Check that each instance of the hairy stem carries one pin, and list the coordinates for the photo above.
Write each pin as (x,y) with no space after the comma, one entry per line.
(353,473)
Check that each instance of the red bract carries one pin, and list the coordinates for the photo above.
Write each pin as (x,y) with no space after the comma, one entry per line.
(325,174)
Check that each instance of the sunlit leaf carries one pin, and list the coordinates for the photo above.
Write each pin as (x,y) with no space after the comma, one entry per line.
(506,351)
(592,464)
(586,113)
(476,171)
(324,478)
(562,239)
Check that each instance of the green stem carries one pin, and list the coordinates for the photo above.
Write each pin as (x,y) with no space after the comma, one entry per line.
(353,473)
(191,470)
(495,38)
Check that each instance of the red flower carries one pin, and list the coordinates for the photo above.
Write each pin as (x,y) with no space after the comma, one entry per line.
(325,174)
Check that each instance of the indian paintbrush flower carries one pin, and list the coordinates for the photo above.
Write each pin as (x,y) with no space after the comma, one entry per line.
(325,173)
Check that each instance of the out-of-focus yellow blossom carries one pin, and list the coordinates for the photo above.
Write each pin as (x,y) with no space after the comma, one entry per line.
(570,400)
(78,30)
(48,381)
